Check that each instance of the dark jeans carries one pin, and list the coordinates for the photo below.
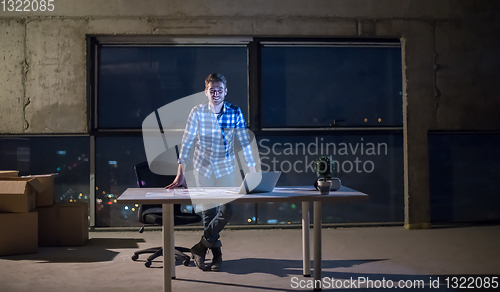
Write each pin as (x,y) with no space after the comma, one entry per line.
(214,221)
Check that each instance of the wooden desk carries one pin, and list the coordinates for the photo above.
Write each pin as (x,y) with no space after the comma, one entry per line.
(303,194)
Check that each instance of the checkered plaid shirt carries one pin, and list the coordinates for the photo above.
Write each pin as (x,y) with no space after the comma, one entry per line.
(214,149)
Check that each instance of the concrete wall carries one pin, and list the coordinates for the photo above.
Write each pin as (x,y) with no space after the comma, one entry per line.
(450,59)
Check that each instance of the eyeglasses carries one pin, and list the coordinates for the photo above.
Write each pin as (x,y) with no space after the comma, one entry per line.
(219,91)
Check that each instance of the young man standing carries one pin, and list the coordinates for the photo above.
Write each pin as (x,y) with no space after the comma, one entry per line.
(214,123)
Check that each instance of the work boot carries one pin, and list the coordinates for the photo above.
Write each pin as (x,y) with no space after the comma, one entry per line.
(217,260)
(199,252)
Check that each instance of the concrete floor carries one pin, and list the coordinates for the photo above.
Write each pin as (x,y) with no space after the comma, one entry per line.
(262,260)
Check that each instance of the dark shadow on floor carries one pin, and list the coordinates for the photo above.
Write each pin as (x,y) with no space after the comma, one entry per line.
(95,250)
(115,243)
(282,268)
(253,287)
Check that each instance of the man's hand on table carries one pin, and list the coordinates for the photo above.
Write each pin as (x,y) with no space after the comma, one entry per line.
(179,181)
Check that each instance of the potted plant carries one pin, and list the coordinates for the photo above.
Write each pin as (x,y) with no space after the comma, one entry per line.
(323,166)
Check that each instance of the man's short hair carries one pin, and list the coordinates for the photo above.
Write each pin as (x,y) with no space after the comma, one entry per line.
(215,77)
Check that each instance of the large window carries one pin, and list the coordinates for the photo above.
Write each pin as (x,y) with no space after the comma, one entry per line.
(370,163)
(68,156)
(302,100)
(343,100)
(136,81)
(325,86)
(115,161)
(464,175)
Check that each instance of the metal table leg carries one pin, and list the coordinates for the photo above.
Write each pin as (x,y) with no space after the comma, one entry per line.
(168,246)
(317,244)
(306,253)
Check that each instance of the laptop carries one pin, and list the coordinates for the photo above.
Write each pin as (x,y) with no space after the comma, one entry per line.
(258,182)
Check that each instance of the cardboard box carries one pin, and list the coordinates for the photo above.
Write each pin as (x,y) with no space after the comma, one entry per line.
(46,197)
(63,224)
(18,194)
(8,173)
(18,233)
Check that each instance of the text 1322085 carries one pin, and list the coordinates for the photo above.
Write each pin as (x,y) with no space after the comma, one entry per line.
(27,5)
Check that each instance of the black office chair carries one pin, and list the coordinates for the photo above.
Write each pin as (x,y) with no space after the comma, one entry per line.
(152,214)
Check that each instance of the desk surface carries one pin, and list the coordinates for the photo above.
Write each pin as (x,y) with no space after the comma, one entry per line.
(214,195)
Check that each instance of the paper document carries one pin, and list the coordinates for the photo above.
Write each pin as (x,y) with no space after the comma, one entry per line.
(160,194)
(303,191)
(208,193)
(169,193)
(192,192)
(233,190)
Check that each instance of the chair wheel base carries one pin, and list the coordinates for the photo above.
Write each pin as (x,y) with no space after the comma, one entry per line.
(147,264)
(135,257)
(186,261)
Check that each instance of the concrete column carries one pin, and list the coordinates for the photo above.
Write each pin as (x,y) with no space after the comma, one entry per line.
(419,113)
(12,67)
